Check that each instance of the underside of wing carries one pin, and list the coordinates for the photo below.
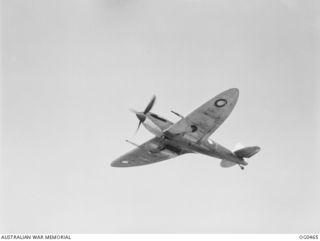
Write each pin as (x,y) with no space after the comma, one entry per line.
(149,152)
(203,121)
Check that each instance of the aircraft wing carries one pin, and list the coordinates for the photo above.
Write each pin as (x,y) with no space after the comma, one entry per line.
(147,153)
(203,121)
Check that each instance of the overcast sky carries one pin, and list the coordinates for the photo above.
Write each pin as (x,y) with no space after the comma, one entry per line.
(71,70)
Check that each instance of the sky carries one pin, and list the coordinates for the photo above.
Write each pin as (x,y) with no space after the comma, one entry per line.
(71,70)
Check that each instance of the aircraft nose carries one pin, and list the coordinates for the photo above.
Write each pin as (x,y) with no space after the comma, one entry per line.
(141,116)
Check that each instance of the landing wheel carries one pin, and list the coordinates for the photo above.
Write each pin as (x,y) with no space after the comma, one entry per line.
(242,167)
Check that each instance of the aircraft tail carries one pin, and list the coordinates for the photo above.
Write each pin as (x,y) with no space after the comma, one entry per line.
(243,152)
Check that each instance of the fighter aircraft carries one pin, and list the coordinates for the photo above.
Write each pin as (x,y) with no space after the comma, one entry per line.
(189,135)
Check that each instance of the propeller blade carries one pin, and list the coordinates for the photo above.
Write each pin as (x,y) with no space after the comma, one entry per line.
(150,105)
(138,126)
(142,115)
(134,111)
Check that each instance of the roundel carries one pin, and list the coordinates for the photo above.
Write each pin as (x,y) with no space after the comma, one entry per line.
(220,102)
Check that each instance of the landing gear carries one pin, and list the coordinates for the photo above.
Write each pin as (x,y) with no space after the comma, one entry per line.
(242,167)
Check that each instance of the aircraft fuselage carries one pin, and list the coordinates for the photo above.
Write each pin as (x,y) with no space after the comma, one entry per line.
(182,144)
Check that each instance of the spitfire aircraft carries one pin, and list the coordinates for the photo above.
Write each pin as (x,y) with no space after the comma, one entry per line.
(189,135)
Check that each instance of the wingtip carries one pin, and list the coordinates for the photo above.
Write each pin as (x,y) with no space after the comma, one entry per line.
(235,90)
(232,92)
(114,164)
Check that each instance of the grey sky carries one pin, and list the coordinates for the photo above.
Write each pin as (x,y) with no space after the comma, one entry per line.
(72,69)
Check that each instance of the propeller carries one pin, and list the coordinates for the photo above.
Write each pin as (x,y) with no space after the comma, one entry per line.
(142,115)
(150,105)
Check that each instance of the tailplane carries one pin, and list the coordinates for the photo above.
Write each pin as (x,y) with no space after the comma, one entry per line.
(247,152)
(226,163)
(241,152)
